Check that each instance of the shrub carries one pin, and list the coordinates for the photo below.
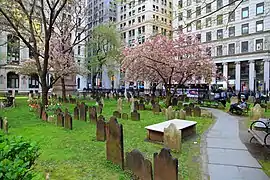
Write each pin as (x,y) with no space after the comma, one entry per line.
(17,158)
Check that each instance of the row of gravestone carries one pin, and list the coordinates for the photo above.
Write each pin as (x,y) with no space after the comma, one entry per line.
(134,116)
(4,124)
(170,113)
(63,119)
(165,166)
(80,112)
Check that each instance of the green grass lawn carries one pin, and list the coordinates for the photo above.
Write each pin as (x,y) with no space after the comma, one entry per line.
(75,154)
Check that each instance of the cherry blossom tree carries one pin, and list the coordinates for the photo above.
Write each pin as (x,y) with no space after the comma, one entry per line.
(172,62)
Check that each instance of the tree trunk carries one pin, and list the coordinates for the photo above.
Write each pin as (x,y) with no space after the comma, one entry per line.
(45,90)
(168,97)
(64,95)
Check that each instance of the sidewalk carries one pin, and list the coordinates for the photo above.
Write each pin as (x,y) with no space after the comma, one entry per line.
(227,158)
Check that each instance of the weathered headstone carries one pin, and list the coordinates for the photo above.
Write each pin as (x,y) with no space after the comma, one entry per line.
(165,166)
(251,99)
(135,116)
(125,116)
(5,125)
(257,112)
(174,101)
(156,109)
(172,137)
(179,104)
(58,110)
(117,114)
(182,114)
(141,167)
(83,111)
(119,105)
(93,114)
(132,104)
(101,129)
(136,105)
(60,120)
(177,114)
(99,108)
(76,113)
(197,111)
(188,111)
(68,121)
(114,142)
(234,100)
(170,113)
(141,106)
(44,116)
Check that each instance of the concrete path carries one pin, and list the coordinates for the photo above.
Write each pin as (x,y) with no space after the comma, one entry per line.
(227,157)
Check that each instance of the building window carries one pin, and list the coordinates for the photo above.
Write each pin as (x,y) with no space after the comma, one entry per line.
(198,25)
(244,46)
(12,80)
(245,28)
(180,3)
(259,26)
(188,2)
(219,4)
(232,16)
(220,34)
(208,51)
(231,31)
(231,49)
(259,44)
(208,22)
(245,12)
(208,8)
(189,27)
(219,50)
(198,11)
(260,8)
(13,48)
(180,16)
(188,13)
(78,83)
(208,36)
(199,37)
(219,19)
(33,81)
(180,28)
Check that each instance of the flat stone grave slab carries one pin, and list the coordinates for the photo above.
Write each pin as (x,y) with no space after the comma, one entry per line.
(155,132)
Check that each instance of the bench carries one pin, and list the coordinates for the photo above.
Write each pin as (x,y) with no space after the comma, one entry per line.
(262,136)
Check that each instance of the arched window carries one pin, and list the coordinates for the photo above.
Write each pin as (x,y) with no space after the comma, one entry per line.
(33,81)
(12,80)
(78,83)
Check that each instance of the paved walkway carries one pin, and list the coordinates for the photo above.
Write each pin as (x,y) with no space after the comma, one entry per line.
(227,157)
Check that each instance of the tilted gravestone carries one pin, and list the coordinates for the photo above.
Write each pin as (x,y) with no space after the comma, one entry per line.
(141,106)
(68,121)
(101,129)
(188,111)
(197,112)
(140,167)
(135,116)
(60,120)
(257,112)
(156,109)
(114,142)
(165,166)
(117,114)
(76,113)
(44,116)
(132,104)
(125,116)
(93,114)
(136,105)
(83,111)
(172,138)
(5,125)
(182,114)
